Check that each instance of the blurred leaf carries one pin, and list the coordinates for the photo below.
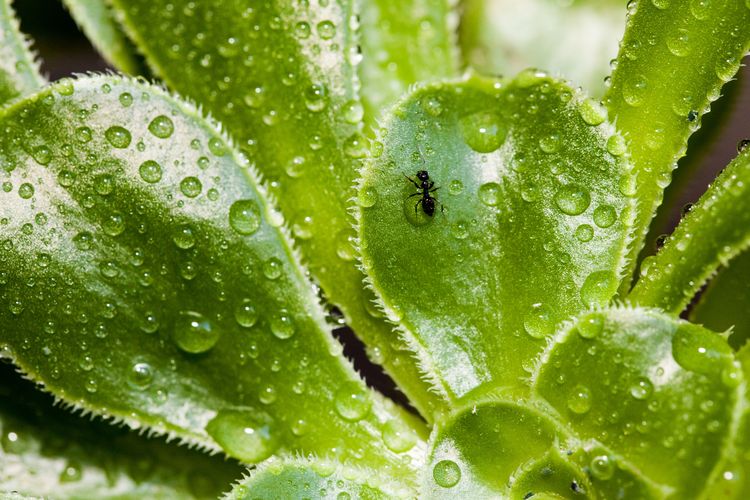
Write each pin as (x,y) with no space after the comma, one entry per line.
(19,70)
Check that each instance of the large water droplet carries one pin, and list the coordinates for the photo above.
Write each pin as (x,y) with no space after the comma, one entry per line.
(244,216)
(591,326)
(191,186)
(141,375)
(183,237)
(700,351)
(489,194)
(194,333)
(572,199)
(161,127)
(245,314)
(484,132)
(398,437)
(118,137)
(352,402)
(26,191)
(282,325)
(538,323)
(641,388)
(244,435)
(579,401)
(446,473)
(605,216)
(598,288)
(150,171)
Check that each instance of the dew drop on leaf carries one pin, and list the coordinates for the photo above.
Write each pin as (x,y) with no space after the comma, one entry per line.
(446,473)
(245,314)
(352,402)
(282,325)
(191,186)
(572,199)
(194,333)
(579,400)
(698,350)
(141,375)
(272,268)
(367,197)
(150,171)
(183,237)
(642,388)
(598,288)
(602,467)
(118,137)
(591,326)
(484,132)
(538,322)
(26,191)
(398,437)
(489,194)
(244,435)
(584,233)
(126,99)
(244,216)
(161,127)
(605,216)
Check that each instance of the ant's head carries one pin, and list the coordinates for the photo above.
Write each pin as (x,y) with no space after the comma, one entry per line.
(422,175)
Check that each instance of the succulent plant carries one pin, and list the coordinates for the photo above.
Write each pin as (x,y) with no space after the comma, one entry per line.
(179,240)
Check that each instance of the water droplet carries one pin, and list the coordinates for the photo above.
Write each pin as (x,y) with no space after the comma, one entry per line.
(446,473)
(353,111)
(272,268)
(126,99)
(592,112)
(432,105)
(345,245)
(183,237)
(315,97)
(114,224)
(616,145)
(216,146)
(584,233)
(538,323)
(642,388)
(598,288)
(398,437)
(743,144)
(355,146)
(579,401)
(367,198)
(660,4)
(118,137)
(602,467)
(282,325)
(194,333)
(455,187)
(352,401)
(460,229)
(161,127)
(484,132)
(633,90)
(267,395)
(72,471)
(83,240)
(26,191)
(104,184)
(244,216)
(255,97)
(591,326)
(150,171)
(489,194)
(244,435)
(299,427)
(302,29)
(141,375)
(679,43)
(191,186)
(605,216)
(245,314)
(700,351)
(91,386)
(550,143)
(326,30)
(701,9)
(572,199)
(42,155)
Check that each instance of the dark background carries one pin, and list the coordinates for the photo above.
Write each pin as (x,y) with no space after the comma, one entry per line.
(64,51)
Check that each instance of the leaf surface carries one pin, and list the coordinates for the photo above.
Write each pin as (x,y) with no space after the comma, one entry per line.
(96,20)
(19,70)
(530,224)
(715,230)
(674,58)
(281,77)
(146,277)
(404,43)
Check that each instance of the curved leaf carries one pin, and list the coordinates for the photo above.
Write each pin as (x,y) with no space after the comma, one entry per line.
(19,70)
(404,43)
(280,76)
(716,230)
(314,478)
(674,58)
(145,277)
(534,227)
(575,39)
(49,452)
(663,394)
(96,19)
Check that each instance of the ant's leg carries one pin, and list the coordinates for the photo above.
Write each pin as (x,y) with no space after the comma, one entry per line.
(416,214)
(415,194)
(413,182)
(434,189)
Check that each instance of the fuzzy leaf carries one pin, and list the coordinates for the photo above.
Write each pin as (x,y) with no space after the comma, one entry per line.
(663,394)
(145,277)
(49,452)
(674,58)
(575,39)
(314,478)
(713,232)
(19,71)
(404,43)
(534,227)
(96,19)
(280,76)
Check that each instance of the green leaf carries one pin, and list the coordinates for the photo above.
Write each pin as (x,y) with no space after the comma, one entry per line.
(476,452)
(145,277)
(96,20)
(534,227)
(19,70)
(713,232)
(315,478)
(663,394)
(575,39)
(280,76)
(674,59)
(404,43)
(50,452)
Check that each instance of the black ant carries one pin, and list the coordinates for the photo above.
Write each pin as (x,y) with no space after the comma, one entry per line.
(425,187)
